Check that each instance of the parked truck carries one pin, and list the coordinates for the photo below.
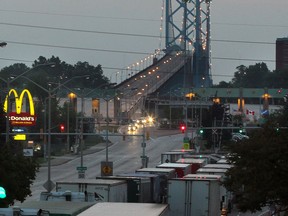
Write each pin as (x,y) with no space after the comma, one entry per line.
(180,169)
(108,190)
(189,197)
(127,209)
(138,187)
(194,162)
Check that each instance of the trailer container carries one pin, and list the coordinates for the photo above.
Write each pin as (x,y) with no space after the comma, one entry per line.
(107,190)
(225,195)
(195,163)
(138,188)
(212,171)
(180,169)
(164,174)
(168,172)
(61,208)
(156,189)
(172,156)
(189,197)
(127,209)
(218,166)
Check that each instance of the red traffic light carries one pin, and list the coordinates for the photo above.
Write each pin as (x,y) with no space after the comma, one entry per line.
(62,128)
(183,128)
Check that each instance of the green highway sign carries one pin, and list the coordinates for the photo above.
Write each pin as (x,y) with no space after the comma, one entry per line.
(81,168)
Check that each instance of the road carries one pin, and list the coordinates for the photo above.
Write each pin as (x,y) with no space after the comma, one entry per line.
(125,156)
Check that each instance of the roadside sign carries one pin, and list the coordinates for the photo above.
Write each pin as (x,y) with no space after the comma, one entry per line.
(49,185)
(81,174)
(106,168)
(186,144)
(81,168)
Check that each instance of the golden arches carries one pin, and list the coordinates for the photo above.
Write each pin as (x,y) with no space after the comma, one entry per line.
(18,101)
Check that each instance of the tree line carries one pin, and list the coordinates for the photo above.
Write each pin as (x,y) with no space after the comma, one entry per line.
(256,76)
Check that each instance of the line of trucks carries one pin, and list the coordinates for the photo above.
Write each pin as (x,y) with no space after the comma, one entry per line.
(184,184)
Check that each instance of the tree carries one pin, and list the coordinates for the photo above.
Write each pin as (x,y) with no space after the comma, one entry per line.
(17,171)
(260,172)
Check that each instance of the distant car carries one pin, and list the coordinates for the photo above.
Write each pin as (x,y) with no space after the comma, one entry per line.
(238,136)
(132,127)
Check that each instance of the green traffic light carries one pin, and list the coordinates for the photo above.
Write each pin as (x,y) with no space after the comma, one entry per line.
(201,131)
(2,193)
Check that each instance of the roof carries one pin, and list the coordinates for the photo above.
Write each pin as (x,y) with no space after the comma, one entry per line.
(173,165)
(127,209)
(203,176)
(62,208)
(191,160)
(93,181)
(159,170)
(210,170)
(218,166)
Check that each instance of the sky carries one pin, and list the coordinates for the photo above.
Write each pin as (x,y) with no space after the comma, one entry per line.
(119,33)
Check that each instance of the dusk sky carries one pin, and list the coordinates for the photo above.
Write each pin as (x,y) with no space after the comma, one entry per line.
(93,31)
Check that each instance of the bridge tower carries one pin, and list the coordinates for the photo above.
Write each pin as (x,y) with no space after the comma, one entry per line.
(188,29)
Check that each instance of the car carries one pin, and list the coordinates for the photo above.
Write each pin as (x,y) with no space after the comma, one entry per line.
(131,127)
(238,136)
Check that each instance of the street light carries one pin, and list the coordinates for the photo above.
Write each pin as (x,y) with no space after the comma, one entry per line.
(49,184)
(3,44)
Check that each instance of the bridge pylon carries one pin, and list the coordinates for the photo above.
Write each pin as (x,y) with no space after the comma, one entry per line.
(192,35)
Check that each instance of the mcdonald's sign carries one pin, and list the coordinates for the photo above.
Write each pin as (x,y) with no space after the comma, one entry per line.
(19,118)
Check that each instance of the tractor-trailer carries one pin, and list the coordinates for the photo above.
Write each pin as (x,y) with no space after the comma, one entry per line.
(180,169)
(168,172)
(195,163)
(212,171)
(126,209)
(138,188)
(107,190)
(172,156)
(218,166)
(189,197)
(225,195)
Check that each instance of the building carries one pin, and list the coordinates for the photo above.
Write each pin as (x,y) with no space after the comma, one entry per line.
(282,53)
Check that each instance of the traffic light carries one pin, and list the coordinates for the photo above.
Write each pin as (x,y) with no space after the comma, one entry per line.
(2,193)
(201,131)
(62,128)
(183,128)
(240,129)
(277,127)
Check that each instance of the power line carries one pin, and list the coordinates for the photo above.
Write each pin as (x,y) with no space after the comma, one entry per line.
(81,15)
(78,48)
(124,34)
(78,30)
(137,19)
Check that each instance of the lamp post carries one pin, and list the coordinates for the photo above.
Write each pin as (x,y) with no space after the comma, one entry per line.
(49,184)
(3,44)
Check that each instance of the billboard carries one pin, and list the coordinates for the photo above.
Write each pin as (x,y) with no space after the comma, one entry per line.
(20,118)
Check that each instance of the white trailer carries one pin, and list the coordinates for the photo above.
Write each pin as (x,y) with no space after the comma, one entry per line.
(212,171)
(126,209)
(194,162)
(218,166)
(107,190)
(168,172)
(180,169)
(189,197)
(16,210)
(225,195)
